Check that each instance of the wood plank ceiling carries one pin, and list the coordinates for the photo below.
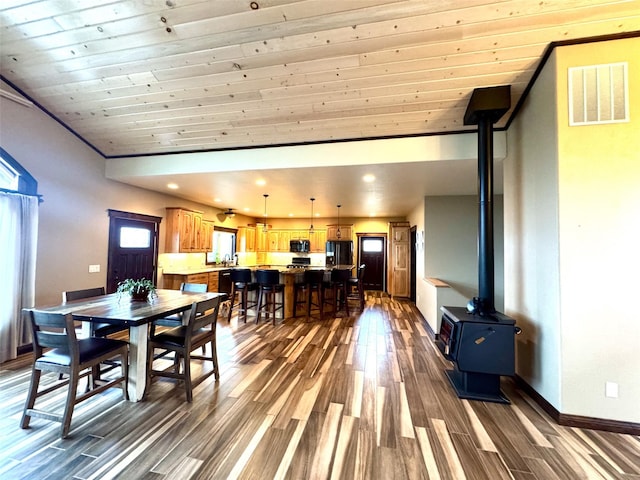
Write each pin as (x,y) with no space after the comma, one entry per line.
(149,77)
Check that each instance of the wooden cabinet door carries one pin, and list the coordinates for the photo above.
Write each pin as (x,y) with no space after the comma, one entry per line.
(318,240)
(400,266)
(251,239)
(206,237)
(261,240)
(283,240)
(272,240)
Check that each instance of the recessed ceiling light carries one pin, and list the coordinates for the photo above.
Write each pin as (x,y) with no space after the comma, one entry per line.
(172,186)
(369,178)
(246,209)
(291,215)
(261,182)
(218,200)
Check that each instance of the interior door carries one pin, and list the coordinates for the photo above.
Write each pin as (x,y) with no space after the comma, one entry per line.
(372,252)
(133,247)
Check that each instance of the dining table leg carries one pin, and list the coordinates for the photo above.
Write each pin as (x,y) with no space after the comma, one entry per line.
(138,340)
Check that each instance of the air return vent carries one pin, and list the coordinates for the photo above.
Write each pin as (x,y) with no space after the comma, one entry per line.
(598,94)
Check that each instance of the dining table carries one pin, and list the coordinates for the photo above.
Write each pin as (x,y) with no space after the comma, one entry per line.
(120,309)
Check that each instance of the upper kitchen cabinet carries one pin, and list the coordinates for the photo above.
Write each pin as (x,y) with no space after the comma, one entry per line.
(318,241)
(187,232)
(346,232)
(246,239)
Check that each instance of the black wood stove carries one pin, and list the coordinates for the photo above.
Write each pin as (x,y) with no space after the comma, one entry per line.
(478,340)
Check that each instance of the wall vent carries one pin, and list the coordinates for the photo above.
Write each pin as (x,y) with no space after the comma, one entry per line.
(598,94)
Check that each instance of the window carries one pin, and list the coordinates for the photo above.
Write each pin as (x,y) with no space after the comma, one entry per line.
(8,176)
(372,245)
(223,246)
(14,177)
(135,237)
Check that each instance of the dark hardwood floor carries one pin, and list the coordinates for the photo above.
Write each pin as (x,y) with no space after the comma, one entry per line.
(360,397)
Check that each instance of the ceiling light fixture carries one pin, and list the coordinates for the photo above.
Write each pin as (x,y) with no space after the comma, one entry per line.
(230,213)
(172,186)
(311,227)
(338,234)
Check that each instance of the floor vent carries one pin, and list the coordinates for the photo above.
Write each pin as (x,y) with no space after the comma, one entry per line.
(598,94)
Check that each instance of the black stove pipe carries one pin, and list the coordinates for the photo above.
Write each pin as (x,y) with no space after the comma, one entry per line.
(486,273)
(485,107)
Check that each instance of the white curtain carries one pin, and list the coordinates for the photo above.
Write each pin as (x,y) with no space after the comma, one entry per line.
(18,242)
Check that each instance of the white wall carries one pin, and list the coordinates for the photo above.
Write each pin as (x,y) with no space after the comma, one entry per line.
(531,237)
(572,230)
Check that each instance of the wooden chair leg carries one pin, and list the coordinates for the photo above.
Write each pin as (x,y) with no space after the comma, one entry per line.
(214,358)
(70,403)
(31,398)
(187,377)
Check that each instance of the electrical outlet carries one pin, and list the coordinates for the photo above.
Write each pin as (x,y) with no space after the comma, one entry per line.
(611,389)
(94,268)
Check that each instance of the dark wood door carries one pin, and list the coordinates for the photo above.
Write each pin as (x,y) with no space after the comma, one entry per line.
(372,252)
(133,247)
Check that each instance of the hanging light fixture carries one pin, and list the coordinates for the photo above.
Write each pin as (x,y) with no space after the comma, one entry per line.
(265,226)
(311,227)
(338,234)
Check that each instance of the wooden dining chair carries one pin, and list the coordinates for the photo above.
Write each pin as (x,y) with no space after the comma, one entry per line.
(177,319)
(97,329)
(66,354)
(182,340)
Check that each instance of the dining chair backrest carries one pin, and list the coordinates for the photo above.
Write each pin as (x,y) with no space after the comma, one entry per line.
(53,330)
(194,287)
(202,314)
(71,295)
(361,272)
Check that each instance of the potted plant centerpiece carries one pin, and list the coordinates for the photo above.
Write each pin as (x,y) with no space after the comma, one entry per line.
(139,289)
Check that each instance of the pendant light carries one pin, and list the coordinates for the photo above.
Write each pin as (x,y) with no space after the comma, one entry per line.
(311,227)
(265,226)
(338,234)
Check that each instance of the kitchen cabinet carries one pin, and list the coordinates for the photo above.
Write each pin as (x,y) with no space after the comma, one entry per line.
(284,237)
(246,239)
(216,281)
(183,231)
(262,240)
(206,237)
(399,260)
(346,232)
(299,235)
(318,240)
(272,240)
(173,281)
(187,231)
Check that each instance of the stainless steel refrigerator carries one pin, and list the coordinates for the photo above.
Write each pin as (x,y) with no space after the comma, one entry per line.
(339,253)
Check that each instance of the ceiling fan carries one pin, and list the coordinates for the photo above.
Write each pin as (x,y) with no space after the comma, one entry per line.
(230,213)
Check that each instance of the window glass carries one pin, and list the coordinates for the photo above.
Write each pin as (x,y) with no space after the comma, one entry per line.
(224,243)
(8,176)
(372,245)
(135,237)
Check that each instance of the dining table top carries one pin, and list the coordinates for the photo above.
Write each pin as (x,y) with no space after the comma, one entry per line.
(120,309)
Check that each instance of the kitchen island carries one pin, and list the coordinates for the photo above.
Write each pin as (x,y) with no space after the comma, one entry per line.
(214,277)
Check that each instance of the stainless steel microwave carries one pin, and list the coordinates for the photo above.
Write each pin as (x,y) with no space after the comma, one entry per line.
(299,245)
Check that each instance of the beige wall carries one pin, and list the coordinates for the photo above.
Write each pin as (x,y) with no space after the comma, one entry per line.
(573,234)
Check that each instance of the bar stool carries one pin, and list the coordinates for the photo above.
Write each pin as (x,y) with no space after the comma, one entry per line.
(357,283)
(312,282)
(269,287)
(241,285)
(339,287)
